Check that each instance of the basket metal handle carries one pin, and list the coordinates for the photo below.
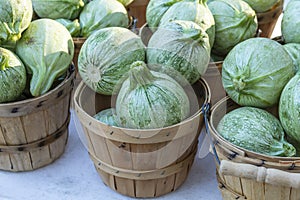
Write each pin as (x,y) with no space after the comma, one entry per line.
(260,174)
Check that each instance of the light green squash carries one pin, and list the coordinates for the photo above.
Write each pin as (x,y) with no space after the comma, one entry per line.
(149,99)
(15,17)
(257,130)
(106,56)
(47,49)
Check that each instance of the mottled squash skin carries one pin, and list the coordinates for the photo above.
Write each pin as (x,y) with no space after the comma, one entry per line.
(255,72)
(182,47)
(106,56)
(149,99)
(256,130)
(107,116)
(289,110)
(235,22)
(12,76)
(290,22)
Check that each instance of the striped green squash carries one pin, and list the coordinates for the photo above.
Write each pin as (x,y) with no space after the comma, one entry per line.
(106,56)
(12,76)
(289,109)
(149,99)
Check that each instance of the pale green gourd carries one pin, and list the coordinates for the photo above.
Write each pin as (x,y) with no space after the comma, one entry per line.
(235,22)
(99,14)
(256,130)
(289,109)
(255,72)
(54,9)
(182,47)
(106,56)
(46,48)
(149,99)
(107,116)
(15,17)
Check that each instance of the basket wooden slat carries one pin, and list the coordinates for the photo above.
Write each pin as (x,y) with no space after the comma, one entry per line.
(267,20)
(34,132)
(139,163)
(137,9)
(213,76)
(242,187)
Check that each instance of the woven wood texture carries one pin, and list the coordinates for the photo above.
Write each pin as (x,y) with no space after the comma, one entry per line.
(140,163)
(239,187)
(34,132)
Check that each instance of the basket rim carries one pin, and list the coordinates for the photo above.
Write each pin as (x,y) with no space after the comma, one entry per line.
(69,77)
(139,136)
(239,150)
(82,86)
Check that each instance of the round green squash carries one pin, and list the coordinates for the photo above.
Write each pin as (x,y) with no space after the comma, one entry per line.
(149,99)
(54,9)
(255,72)
(196,11)
(12,76)
(291,22)
(100,14)
(155,11)
(289,109)
(182,47)
(107,116)
(107,55)
(235,22)
(293,50)
(257,130)
(15,17)
(47,49)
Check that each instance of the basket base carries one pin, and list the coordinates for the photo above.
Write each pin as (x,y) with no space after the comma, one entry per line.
(146,188)
(35,158)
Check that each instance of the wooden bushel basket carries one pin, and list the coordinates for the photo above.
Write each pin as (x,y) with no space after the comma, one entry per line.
(267,20)
(34,132)
(244,174)
(135,162)
(78,42)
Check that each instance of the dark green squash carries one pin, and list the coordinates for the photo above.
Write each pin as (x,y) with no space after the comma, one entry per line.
(12,76)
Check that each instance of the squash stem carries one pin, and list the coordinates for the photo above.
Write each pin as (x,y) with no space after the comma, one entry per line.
(239,84)
(140,74)
(80,4)
(3,62)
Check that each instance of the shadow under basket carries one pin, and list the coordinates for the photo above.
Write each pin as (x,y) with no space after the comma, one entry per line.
(244,174)
(34,132)
(140,162)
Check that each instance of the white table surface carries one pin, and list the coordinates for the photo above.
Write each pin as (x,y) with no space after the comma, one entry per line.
(73,177)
